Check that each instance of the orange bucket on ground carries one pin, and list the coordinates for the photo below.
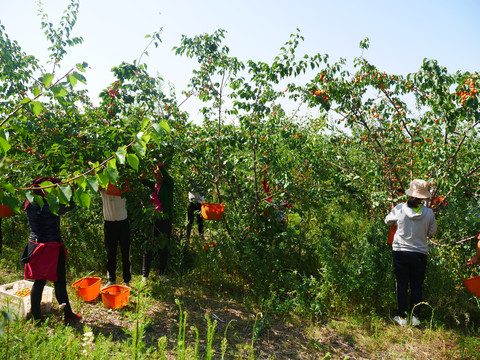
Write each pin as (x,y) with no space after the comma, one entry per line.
(211,211)
(87,288)
(473,285)
(391,234)
(115,296)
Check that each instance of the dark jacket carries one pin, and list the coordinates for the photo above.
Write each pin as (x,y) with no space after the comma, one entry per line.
(44,226)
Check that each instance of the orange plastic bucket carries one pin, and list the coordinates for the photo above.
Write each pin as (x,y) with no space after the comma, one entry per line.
(212,211)
(115,296)
(391,234)
(473,285)
(115,190)
(5,211)
(87,288)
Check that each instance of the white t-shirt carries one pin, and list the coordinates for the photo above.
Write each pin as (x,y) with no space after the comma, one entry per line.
(114,207)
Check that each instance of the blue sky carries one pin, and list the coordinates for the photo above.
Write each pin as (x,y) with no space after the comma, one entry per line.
(401,33)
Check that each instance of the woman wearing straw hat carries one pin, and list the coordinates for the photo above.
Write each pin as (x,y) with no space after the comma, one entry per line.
(410,249)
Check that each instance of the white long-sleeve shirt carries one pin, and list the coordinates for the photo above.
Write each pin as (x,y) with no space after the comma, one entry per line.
(114,207)
(412,228)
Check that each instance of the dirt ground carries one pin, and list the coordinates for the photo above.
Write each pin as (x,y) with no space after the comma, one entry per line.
(277,339)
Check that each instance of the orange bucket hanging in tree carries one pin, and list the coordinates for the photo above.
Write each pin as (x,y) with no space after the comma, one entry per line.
(473,285)
(211,211)
(391,234)
(5,211)
(115,190)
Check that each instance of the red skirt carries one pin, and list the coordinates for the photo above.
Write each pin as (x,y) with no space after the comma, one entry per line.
(42,264)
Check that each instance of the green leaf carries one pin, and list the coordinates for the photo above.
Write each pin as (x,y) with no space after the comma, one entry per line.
(103,179)
(37,90)
(81,182)
(133,161)
(140,149)
(26,100)
(82,198)
(92,182)
(139,136)
(47,79)
(53,203)
(46,183)
(81,67)
(79,77)
(112,174)
(72,80)
(29,195)
(8,187)
(59,91)
(157,128)
(112,163)
(145,122)
(120,155)
(65,193)
(4,144)
(165,126)
(37,108)
(38,199)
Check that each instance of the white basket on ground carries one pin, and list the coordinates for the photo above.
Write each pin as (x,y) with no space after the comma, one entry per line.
(20,305)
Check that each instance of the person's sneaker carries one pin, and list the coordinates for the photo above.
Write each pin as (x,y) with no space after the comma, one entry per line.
(400,321)
(127,284)
(144,278)
(72,318)
(110,283)
(415,321)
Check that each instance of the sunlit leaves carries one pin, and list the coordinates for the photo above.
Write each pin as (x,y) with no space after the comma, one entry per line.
(120,155)
(72,80)
(59,91)
(92,183)
(103,179)
(112,174)
(65,193)
(47,79)
(81,67)
(4,144)
(140,148)
(165,126)
(133,161)
(37,108)
(82,198)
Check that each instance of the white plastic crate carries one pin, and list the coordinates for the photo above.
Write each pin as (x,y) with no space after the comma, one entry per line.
(20,305)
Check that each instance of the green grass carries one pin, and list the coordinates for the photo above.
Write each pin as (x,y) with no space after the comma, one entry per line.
(190,321)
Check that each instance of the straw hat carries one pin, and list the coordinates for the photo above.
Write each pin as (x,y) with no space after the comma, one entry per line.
(419,189)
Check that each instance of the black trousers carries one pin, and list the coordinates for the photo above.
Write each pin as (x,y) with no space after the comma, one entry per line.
(409,269)
(60,290)
(191,209)
(160,226)
(117,234)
